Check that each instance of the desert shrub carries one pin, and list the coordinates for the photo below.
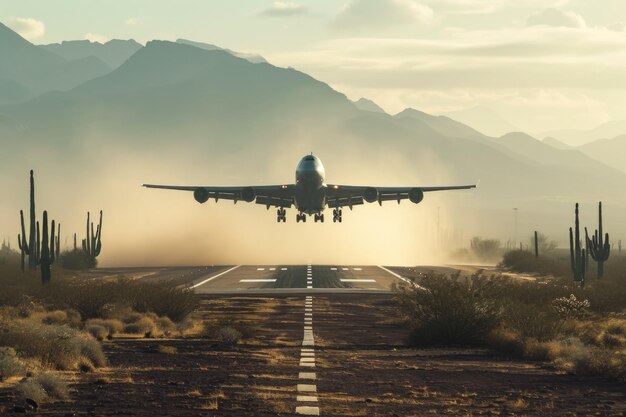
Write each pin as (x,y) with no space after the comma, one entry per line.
(94,299)
(113,326)
(97,331)
(505,340)
(528,320)
(10,365)
(449,310)
(55,346)
(54,317)
(485,249)
(44,387)
(77,259)
(142,326)
(601,362)
(227,335)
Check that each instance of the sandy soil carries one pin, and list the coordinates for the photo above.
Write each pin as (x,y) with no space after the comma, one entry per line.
(363,369)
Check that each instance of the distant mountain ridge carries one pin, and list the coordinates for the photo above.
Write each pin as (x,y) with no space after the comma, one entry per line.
(113,53)
(484,120)
(253,58)
(609,151)
(30,70)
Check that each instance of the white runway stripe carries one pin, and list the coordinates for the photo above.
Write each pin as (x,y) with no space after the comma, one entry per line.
(260,269)
(214,276)
(357,280)
(258,280)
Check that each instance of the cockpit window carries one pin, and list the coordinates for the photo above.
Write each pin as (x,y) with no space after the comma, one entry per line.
(309,158)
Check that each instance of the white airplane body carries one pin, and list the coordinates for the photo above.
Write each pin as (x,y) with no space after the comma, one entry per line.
(310,194)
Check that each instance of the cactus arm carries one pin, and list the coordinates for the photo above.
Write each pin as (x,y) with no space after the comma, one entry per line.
(571,249)
(52,241)
(24,245)
(86,245)
(45,251)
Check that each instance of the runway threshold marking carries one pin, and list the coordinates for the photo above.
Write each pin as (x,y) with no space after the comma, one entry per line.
(408,281)
(258,280)
(214,276)
(357,280)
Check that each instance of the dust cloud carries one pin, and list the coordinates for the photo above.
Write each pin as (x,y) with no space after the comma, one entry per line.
(144,227)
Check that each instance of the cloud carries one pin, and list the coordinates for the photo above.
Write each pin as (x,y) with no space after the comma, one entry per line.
(489,6)
(557,18)
(617,27)
(377,15)
(27,28)
(94,37)
(133,21)
(284,9)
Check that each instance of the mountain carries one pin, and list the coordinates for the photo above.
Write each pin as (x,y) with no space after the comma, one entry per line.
(170,97)
(254,58)
(555,143)
(577,137)
(545,154)
(442,124)
(609,151)
(484,120)
(113,53)
(368,105)
(27,70)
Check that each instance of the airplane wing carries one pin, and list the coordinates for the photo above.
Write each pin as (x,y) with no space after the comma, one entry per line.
(349,195)
(267,195)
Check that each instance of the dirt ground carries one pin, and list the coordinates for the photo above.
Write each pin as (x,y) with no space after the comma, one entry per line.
(362,367)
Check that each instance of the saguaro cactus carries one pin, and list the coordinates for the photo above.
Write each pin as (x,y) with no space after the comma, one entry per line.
(32,237)
(599,246)
(21,241)
(577,254)
(45,260)
(57,244)
(92,244)
(536,245)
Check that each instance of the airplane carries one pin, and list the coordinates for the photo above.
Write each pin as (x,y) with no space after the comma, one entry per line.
(310,194)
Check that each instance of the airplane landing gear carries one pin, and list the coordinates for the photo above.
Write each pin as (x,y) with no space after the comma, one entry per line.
(319,218)
(337,215)
(301,217)
(281,215)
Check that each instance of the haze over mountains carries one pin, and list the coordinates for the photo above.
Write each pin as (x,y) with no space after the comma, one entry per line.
(187,112)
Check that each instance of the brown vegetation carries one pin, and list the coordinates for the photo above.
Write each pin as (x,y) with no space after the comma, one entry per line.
(573,329)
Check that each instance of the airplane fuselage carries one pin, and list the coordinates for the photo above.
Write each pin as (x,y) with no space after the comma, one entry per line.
(310,190)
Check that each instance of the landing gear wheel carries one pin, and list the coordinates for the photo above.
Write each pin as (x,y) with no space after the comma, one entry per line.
(281,215)
(322,218)
(337,214)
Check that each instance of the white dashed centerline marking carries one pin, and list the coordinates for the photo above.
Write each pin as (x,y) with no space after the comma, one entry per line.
(306,393)
(260,269)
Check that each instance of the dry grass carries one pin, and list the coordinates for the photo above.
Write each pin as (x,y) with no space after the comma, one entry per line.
(170,350)
(54,346)
(44,387)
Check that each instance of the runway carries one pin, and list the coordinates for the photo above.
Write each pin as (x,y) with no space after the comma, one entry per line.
(298,279)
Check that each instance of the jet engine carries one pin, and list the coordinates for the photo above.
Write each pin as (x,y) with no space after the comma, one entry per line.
(370,194)
(248,195)
(201,195)
(416,195)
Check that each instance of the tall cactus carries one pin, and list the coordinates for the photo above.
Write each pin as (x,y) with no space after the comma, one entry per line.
(21,242)
(577,254)
(92,244)
(32,237)
(57,244)
(536,245)
(599,246)
(45,260)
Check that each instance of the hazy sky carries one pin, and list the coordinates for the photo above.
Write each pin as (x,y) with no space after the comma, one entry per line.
(541,64)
